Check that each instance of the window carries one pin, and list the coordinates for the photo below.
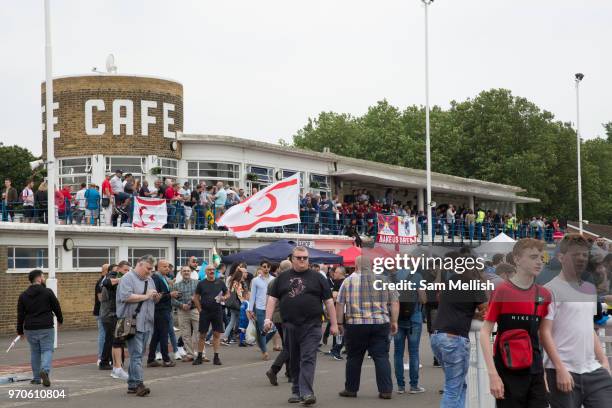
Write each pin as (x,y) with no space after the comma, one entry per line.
(92,257)
(212,172)
(264,174)
(30,257)
(169,167)
(289,173)
(186,253)
(319,182)
(135,253)
(73,172)
(133,165)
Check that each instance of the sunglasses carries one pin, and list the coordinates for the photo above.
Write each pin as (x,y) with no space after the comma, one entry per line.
(301,258)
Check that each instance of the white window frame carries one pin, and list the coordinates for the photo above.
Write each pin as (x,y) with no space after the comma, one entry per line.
(326,187)
(83,177)
(169,167)
(112,257)
(290,173)
(161,253)
(109,168)
(12,268)
(195,180)
(182,260)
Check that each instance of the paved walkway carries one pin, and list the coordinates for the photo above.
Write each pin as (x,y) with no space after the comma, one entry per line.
(239,382)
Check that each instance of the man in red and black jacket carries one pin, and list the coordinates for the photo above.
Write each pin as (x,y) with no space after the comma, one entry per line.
(518,306)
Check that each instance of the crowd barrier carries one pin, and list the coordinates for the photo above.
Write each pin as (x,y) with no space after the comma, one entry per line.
(478,394)
(313,221)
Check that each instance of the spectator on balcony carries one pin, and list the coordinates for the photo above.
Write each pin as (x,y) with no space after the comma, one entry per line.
(9,198)
(327,214)
(220,197)
(107,195)
(80,205)
(242,195)
(129,185)
(27,198)
(117,187)
(450,220)
(40,202)
(68,203)
(92,196)
(185,193)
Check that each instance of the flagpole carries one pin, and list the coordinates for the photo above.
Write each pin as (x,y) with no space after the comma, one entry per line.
(51,280)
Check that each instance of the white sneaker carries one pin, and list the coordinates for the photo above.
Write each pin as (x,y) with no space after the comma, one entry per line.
(417,390)
(98,362)
(119,374)
(182,351)
(158,356)
(177,356)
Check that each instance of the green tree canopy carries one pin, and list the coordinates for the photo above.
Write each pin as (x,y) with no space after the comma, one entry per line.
(15,164)
(495,136)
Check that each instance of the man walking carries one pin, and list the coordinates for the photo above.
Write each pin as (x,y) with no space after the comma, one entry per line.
(163,316)
(301,291)
(257,306)
(187,312)
(207,299)
(35,309)
(577,370)
(365,310)
(136,296)
(283,356)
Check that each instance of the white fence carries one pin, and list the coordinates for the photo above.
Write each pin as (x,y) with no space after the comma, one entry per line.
(478,394)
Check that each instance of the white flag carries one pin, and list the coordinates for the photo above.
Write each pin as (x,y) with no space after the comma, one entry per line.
(149,213)
(273,206)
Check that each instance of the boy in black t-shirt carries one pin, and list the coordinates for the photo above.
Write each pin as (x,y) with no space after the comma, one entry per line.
(207,299)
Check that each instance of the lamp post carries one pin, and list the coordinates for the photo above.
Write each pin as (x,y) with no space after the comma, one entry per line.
(51,280)
(427,3)
(578,77)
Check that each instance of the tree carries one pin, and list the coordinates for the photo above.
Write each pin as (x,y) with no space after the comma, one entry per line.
(495,136)
(15,164)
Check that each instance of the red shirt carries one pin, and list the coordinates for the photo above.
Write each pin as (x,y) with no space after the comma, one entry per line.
(170,193)
(107,191)
(513,308)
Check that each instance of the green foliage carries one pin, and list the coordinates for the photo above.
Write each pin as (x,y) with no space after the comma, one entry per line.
(15,164)
(495,137)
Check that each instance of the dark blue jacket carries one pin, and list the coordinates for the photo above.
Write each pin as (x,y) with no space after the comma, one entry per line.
(165,303)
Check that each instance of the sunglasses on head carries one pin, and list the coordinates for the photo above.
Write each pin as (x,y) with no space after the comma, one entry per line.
(301,258)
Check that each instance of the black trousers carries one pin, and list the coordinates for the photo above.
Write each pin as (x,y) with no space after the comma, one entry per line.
(373,338)
(283,356)
(110,341)
(160,336)
(302,341)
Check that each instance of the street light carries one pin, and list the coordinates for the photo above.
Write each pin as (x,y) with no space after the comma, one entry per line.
(578,77)
(427,3)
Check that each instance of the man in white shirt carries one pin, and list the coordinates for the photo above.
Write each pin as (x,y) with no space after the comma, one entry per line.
(27,198)
(81,204)
(577,370)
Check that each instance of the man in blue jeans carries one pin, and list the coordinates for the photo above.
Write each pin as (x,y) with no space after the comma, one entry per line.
(136,296)
(450,341)
(257,306)
(35,309)
(410,325)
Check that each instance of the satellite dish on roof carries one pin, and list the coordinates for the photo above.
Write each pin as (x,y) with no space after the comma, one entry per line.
(110,64)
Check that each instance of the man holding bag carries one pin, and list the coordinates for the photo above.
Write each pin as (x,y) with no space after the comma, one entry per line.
(136,296)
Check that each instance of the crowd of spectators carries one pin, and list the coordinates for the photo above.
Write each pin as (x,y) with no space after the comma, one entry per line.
(201,206)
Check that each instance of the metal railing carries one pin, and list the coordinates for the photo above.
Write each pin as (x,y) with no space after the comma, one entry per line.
(313,221)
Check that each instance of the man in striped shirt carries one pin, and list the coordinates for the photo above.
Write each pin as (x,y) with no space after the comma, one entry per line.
(188,315)
(363,316)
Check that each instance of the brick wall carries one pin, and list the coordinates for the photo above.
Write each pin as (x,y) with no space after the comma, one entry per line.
(75,293)
(71,94)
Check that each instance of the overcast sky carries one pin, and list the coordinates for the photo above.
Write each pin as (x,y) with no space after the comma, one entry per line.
(259,69)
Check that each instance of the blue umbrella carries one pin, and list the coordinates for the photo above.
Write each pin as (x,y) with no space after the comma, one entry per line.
(278,251)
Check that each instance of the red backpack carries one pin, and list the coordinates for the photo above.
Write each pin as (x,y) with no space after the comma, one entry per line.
(515,344)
